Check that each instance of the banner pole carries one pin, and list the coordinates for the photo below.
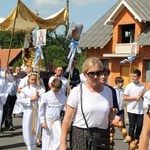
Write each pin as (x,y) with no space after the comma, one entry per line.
(10,45)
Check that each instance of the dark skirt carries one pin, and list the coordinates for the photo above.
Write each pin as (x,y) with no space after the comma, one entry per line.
(79,137)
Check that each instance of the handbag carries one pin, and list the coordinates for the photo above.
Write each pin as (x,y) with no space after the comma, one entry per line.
(94,143)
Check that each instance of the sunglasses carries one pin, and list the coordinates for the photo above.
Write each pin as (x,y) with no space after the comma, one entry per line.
(92,74)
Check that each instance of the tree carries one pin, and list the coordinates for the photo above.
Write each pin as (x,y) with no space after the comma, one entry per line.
(55,51)
(18,39)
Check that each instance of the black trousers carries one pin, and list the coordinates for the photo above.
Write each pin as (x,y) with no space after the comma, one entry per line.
(135,125)
(8,109)
(5,109)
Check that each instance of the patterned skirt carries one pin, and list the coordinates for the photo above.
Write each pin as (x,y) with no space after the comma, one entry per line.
(79,137)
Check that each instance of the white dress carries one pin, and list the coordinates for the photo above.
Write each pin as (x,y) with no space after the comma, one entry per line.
(50,107)
(28,109)
(3,95)
(18,108)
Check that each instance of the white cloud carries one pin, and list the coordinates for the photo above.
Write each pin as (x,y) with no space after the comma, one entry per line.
(60,2)
(52,6)
(43,2)
(46,7)
(85,2)
(48,3)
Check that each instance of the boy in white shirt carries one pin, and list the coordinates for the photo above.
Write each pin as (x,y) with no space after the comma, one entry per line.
(133,95)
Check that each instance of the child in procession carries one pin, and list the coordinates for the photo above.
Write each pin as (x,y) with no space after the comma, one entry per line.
(52,102)
(29,97)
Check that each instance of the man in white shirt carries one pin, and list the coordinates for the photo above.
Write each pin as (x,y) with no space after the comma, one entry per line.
(59,72)
(133,94)
(12,84)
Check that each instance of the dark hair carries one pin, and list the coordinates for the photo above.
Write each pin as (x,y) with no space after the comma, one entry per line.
(119,79)
(56,83)
(137,72)
(107,70)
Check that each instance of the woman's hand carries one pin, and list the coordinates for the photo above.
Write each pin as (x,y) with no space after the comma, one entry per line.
(113,112)
(63,146)
(113,117)
(115,121)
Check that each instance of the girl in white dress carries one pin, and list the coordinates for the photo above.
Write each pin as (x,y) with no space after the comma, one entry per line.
(52,102)
(29,98)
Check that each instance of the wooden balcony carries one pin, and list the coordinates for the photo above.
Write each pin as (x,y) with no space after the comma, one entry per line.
(123,48)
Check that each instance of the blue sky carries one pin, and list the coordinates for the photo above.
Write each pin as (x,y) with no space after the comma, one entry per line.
(86,12)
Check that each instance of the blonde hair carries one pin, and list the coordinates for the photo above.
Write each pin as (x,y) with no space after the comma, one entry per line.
(37,77)
(56,83)
(90,62)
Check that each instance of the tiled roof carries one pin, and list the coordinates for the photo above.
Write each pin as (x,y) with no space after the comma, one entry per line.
(141,7)
(4,55)
(99,34)
(144,38)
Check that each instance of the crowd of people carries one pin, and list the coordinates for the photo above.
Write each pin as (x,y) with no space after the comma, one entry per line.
(82,105)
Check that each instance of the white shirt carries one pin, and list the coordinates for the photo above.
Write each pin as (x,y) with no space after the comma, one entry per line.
(51,105)
(3,90)
(146,99)
(65,85)
(119,93)
(23,82)
(133,89)
(96,107)
(2,72)
(29,91)
(82,77)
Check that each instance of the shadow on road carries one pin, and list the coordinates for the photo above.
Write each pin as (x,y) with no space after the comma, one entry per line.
(12,146)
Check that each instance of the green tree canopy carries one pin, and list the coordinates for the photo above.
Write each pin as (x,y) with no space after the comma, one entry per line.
(55,51)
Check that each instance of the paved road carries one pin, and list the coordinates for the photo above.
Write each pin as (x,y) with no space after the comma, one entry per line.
(13,140)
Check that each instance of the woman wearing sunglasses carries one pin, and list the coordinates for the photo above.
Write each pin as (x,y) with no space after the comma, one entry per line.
(97,107)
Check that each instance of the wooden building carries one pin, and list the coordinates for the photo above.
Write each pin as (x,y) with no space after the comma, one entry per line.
(110,39)
(15,55)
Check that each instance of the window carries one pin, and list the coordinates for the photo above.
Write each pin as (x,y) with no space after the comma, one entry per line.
(105,62)
(126,33)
